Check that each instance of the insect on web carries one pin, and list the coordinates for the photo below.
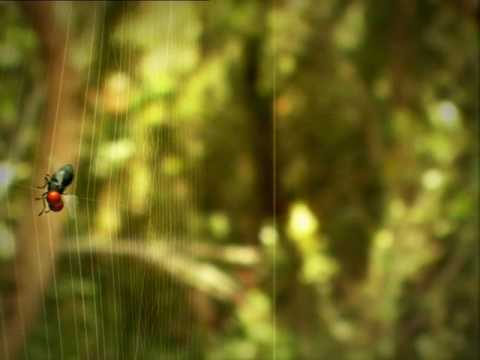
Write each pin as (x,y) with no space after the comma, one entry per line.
(132,211)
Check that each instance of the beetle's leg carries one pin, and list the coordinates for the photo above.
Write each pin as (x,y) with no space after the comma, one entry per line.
(44,195)
(47,179)
(43,209)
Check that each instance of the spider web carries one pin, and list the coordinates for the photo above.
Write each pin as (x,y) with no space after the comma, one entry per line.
(125,279)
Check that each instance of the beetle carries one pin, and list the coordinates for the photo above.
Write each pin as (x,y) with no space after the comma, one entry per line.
(56,185)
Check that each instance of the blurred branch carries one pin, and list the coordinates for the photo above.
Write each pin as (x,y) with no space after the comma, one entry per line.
(41,17)
(401,51)
(468,8)
(176,261)
(38,237)
(114,12)
(239,255)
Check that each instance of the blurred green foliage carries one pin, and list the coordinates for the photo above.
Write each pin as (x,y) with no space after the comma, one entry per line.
(344,228)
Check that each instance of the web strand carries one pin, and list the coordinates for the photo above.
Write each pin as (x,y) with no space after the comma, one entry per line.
(52,143)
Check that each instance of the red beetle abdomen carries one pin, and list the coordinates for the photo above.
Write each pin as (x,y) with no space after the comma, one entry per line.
(56,206)
(54,197)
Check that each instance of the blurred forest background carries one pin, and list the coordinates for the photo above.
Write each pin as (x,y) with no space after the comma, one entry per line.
(255,180)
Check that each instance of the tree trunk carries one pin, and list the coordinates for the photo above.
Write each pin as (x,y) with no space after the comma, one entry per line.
(38,238)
